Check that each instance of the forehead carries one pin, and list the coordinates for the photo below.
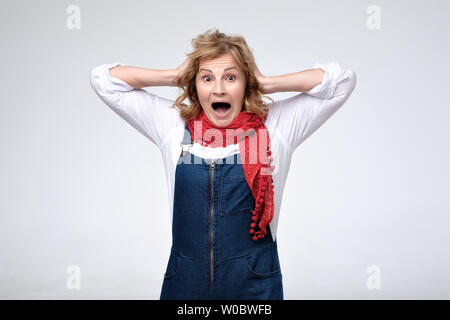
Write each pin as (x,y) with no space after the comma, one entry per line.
(219,63)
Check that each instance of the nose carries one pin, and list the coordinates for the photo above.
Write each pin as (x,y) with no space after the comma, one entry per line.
(218,88)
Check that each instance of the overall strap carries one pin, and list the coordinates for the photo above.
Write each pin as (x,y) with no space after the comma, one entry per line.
(187,141)
(187,136)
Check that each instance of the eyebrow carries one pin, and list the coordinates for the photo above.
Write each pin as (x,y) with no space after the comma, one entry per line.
(223,70)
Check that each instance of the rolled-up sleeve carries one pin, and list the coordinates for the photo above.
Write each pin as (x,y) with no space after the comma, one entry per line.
(299,116)
(150,114)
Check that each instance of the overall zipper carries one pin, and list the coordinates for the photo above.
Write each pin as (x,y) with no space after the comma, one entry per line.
(211,217)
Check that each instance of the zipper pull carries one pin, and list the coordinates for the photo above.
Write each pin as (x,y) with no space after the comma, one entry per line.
(212,164)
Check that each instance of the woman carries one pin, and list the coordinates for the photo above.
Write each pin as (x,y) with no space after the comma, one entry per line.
(226,156)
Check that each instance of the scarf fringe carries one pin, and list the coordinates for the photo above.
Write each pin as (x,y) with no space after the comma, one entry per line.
(264,206)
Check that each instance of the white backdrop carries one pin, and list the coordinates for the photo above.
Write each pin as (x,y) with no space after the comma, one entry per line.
(365,212)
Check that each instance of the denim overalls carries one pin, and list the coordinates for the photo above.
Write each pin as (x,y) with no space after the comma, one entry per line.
(213,255)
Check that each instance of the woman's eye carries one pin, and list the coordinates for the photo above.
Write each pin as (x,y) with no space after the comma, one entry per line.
(231,75)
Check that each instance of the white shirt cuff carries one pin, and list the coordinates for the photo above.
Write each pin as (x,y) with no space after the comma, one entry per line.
(334,74)
(116,83)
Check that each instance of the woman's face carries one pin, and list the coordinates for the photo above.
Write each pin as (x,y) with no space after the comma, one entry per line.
(220,80)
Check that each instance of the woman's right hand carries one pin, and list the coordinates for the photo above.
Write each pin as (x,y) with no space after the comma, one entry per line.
(182,67)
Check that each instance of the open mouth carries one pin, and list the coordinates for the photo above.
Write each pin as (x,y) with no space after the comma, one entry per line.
(221,108)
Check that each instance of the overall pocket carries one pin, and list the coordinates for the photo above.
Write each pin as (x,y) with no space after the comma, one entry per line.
(263,261)
(173,265)
(236,197)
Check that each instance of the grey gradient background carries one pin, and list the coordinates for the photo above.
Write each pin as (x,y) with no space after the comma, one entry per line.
(79,186)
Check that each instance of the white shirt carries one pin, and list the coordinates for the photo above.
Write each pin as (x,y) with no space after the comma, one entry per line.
(289,122)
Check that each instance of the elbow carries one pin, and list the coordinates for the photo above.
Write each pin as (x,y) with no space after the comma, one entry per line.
(352,81)
(94,78)
(347,85)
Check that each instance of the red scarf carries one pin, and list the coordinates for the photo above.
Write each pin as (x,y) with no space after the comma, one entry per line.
(257,170)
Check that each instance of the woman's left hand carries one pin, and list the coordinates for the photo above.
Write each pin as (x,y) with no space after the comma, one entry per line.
(260,77)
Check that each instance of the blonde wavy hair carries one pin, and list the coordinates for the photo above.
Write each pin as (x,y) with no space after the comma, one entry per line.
(210,45)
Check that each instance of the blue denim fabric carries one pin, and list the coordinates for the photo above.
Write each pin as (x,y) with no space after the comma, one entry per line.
(213,255)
